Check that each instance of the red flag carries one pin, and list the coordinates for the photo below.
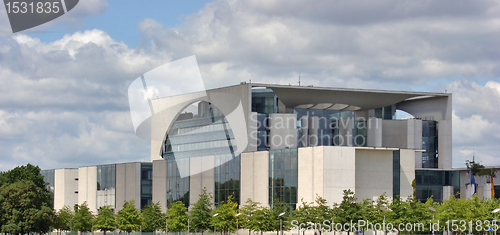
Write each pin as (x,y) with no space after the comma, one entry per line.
(492,188)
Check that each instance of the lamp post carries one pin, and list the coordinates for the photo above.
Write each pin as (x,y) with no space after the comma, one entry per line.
(433,210)
(92,228)
(281,222)
(237,227)
(216,214)
(495,219)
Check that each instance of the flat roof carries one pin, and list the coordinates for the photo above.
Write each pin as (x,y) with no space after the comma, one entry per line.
(362,99)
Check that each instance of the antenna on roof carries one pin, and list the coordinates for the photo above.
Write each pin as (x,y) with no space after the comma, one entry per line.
(299,78)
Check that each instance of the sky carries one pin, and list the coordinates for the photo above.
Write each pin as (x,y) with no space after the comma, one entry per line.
(63,85)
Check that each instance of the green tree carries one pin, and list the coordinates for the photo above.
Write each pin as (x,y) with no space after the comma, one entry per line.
(63,219)
(105,220)
(412,211)
(177,217)
(32,174)
(279,207)
(247,211)
(380,210)
(421,213)
(225,220)
(479,169)
(83,218)
(304,214)
(23,210)
(452,209)
(25,201)
(321,211)
(262,220)
(129,218)
(368,212)
(348,210)
(201,213)
(477,210)
(153,218)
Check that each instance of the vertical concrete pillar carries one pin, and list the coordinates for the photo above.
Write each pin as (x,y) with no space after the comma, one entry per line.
(374,132)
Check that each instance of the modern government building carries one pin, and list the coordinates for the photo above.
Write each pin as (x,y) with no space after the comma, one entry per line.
(280,142)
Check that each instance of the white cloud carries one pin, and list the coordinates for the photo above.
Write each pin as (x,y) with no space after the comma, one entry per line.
(402,45)
(334,43)
(476,127)
(67,99)
(65,103)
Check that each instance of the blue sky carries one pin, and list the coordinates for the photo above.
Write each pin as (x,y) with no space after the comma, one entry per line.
(63,85)
(120,18)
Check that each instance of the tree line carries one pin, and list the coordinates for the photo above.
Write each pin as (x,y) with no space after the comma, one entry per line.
(26,207)
(450,215)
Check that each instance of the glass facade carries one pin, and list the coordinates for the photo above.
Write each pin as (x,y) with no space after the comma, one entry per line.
(360,133)
(283,176)
(430,144)
(106,185)
(431,182)
(262,131)
(48,176)
(330,123)
(264,101)
(196,134)
(227,178)
(204,133)
(146,184)
(497,191)
(396,173)
(386,113)
(177,187)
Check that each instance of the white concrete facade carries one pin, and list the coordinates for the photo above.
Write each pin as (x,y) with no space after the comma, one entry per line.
(204,179)
(87,187)
(65,188)
(255,177)
(327,171)
(128,184)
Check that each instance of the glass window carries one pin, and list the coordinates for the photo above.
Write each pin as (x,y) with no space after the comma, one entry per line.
(177,187)
(227,177)
(283,179)
(396,173)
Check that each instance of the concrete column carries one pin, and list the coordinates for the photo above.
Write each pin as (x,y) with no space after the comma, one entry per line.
(203,179)
(252,128)
(313,128)
(65,188)
(374,132)
(160,183)
(447,192)
(305,131)
(345,131)
(87,187)
(283,133)
(407,172)
(255,177)
(444,144)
